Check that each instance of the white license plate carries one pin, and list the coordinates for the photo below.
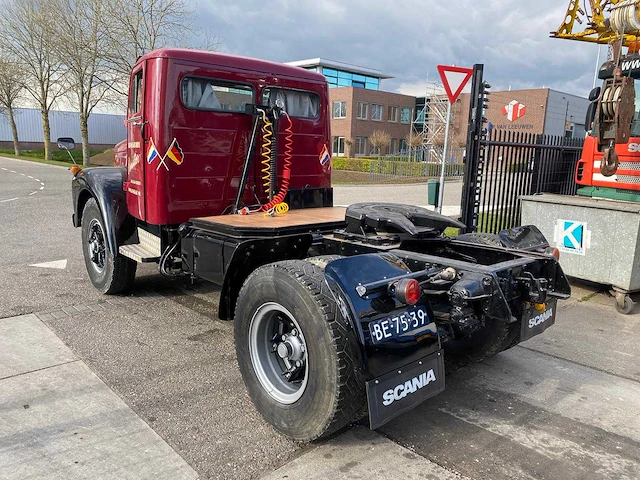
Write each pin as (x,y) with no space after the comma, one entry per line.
(396,326)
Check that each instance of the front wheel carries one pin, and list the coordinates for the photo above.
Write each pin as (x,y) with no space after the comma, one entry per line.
(108,273)
(295,351)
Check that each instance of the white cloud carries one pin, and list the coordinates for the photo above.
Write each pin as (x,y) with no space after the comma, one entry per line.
(408,38)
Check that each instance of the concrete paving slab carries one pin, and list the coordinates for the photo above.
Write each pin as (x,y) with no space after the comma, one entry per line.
(65,423)
(361,453)
(525,415)
(594,335)
(26,344)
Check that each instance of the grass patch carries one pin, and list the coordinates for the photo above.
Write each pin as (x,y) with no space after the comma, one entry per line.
(59,157)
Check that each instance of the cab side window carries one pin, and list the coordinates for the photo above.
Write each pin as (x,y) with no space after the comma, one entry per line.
(135,96)
(213,95)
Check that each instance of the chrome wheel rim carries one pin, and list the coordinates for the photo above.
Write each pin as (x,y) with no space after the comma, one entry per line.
(278,353)
(96,246)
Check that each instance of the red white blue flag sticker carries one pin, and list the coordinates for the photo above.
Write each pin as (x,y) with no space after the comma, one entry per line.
(324,155)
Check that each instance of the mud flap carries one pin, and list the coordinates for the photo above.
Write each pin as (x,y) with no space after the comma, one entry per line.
(536,321)
(401,390)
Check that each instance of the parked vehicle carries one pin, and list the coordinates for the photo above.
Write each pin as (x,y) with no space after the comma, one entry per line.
(225,176)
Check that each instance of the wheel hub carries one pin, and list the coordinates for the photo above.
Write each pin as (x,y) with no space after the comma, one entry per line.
(97,246)
(278,353)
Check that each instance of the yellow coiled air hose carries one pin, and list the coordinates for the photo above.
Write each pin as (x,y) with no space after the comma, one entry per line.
(267,134)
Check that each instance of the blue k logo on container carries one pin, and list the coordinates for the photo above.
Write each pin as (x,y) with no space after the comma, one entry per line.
(571,236)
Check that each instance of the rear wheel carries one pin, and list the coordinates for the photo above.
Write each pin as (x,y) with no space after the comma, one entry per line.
(295,351)
(108,273)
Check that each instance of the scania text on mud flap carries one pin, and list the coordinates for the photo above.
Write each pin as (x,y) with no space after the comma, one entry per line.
(338,312)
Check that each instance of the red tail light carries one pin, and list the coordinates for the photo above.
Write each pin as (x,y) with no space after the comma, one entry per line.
(408,291)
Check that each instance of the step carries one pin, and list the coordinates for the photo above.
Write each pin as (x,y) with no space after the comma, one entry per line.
(139,253)
(149,242)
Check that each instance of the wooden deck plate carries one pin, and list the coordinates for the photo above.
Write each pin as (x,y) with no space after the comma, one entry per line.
(306,219)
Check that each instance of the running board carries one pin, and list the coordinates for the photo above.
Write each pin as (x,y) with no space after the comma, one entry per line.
(139,253)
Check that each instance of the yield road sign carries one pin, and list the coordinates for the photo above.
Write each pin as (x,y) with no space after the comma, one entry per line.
(454,79)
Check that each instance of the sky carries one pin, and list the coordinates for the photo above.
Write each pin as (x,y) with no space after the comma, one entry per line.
(407,39)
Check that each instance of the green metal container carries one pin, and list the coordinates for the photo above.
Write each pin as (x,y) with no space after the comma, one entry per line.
(433,191)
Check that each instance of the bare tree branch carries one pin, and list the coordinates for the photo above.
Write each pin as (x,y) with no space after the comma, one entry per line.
(12,81)
(26,34)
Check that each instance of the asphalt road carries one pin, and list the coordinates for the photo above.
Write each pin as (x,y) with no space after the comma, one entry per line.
(563,405)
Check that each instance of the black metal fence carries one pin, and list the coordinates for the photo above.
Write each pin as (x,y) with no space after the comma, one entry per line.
(505,165)
(519,163)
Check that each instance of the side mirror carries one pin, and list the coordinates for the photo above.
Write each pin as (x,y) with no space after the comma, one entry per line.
(594,94)
(591,115)
(66,143)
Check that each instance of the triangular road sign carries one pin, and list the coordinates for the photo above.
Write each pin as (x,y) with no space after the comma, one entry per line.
(454,79)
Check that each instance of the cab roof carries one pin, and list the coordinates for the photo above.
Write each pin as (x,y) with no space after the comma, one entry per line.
(234,61)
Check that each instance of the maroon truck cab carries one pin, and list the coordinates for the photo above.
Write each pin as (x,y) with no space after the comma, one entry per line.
(188,133)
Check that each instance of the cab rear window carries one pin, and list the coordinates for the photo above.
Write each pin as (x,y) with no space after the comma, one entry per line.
(213,95)
(297,103)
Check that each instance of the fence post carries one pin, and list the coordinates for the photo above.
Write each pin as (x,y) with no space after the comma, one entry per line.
(470,185)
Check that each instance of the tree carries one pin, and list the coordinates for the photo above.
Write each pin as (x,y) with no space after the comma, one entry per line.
(348,142)
(380,139)
(12,77)
(414,140)
(140,26)
(26,34)
(82,42)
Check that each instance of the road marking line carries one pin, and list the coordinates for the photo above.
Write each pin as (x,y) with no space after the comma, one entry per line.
(12,171)
(9,200)
(29,176)
(33,193)
(57,264)
(41,188)
(4,169)
(24,175)
(37,179)
(41,183)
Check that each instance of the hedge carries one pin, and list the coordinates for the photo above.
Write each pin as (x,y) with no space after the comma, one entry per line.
(389,167)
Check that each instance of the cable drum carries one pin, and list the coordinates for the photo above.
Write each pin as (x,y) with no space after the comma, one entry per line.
(625,16)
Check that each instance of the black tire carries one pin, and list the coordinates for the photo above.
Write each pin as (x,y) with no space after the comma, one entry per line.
(480,238)
(334,392)
(109,274)
(627,308)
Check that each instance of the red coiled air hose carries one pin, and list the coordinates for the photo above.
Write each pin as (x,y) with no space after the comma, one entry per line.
(286,168)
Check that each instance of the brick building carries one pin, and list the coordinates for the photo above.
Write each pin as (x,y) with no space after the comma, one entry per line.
(538,110)
(359,107)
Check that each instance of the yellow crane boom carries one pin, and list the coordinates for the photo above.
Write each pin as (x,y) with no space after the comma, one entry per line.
(623,22)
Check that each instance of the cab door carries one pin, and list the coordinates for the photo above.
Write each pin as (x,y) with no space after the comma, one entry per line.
(136,124)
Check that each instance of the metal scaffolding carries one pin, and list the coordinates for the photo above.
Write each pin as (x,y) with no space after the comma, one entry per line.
(431,123)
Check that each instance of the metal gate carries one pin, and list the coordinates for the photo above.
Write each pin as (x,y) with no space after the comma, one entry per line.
(504,165)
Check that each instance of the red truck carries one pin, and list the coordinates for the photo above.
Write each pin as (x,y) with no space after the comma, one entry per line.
(225,176)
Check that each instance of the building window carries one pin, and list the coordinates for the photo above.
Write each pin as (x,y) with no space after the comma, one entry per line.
(376,112)
(403,145)
(338,146)
(361,145)
(340,109)
(393,147)
(392,114)
(363,111)
(405,115)
(340,78)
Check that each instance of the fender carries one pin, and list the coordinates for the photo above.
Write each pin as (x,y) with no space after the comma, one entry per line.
(105,185)
(343,276)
